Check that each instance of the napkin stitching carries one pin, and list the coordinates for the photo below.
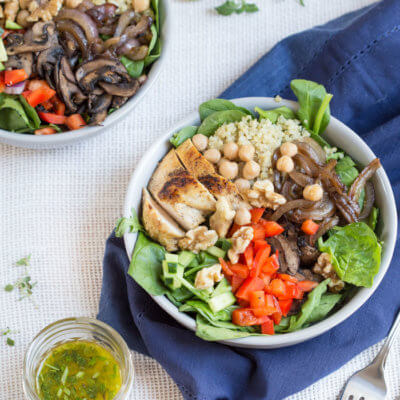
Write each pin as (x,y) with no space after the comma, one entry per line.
(361,53)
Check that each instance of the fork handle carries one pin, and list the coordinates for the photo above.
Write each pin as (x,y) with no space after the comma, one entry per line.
(393,333)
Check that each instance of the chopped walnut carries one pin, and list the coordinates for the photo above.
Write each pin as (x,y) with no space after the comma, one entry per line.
(240,240)
(11,9)
(206,277)
(43,10)
(198,239)
(222,219)
(262,195)
(325,268)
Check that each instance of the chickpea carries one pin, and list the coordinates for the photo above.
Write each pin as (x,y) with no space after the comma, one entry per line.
(72,3)
(242,184)
(140,5)
(228,169)
(200,142)
(230,150)
(212,155)
(251,170)
(22,18)
(243,216)
(288,149)
(313,192)
(246,152)
(285,164)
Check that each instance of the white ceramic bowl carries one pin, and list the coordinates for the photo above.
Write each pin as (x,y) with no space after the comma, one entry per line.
(338,135)
(70,137)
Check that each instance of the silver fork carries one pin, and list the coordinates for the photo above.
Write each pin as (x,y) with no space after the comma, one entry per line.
(369,383)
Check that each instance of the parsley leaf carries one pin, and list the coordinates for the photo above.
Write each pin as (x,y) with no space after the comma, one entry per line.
(10,342)
(131,225)
(231,6)
(9,287)
(24,261)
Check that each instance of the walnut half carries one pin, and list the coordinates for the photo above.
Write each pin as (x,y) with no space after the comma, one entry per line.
(198,239)
(262,195)
(240,240)
(325,268)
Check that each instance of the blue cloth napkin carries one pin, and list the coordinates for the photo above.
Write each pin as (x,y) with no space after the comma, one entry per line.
(357,58)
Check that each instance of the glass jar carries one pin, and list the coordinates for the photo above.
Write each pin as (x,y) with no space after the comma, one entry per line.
(72,329)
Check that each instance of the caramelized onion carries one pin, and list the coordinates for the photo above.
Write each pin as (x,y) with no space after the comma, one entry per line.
(301,179)
(319,211)
(307,149)
(306,164)
(290,205)
(361,180)
(124,20)
(328,224)
(319,151)
(368,201)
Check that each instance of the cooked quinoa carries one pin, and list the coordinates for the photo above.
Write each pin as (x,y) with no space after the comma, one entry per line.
(265,136)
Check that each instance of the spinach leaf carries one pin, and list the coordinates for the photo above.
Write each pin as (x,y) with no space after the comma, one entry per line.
(308,308)
(320,140)
(146,265)
(218,118)
(355,253)
(134,68)
(211,106)
(206,331)
(154,5)
(181,294)
(373,218)
(204,310)
(31,113)
(155,52)
(12,114)
(326,304)
(230,7)
(273,114)
(130,224)
(185,133)
(346,170)
(314,111)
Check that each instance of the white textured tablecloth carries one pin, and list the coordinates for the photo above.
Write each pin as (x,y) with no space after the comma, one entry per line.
(60,205)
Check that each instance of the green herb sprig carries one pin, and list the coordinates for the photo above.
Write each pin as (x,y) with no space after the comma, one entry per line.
(230,7)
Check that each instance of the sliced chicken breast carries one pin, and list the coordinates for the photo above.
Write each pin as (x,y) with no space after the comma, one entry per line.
(180,193)
(204,171)
(158,224)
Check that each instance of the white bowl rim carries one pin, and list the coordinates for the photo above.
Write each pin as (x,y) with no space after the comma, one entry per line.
(319,328)
(69,137)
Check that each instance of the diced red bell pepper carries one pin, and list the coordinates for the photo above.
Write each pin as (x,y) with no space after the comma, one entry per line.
(272,228)
(292,291)
(260,244)
(307,286)
(266,278)
(249,255)
(271,306)
(39,96)
(225,268)
(285,306)
(251,284)
(267,328)
(257,299)
(45,131)
(234,228)
(309,227)
(256,214)
(277,288)
(259,232)
(52,118)
(243,317)
(2,86)
(271,265)
(11,77)
(240,270)
(35,84)
(47,105)
(276,317)
(59,106)
(236,282)
(259,260)
(75,121)
(287,277)
(243,303)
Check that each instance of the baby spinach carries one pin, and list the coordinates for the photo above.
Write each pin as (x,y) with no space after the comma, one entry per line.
(275,113)
(130,224)
(373,218)
(314,111)
(134,68)
(146,265)
(185,133)
(204,310)
(346,170)
(230,7)
(211,106)
(355,253)
(30,112)
(218,118)
(327,303)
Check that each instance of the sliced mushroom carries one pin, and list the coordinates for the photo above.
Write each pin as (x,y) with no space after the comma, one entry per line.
(105,74)
(20,61)
(118,101)
(98,63)
(127,89)
(83,20)
(98,108)
(289,259)
(71,28)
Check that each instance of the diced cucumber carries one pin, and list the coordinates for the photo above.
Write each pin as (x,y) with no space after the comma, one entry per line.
(172,257)
(2,67)
(218,303)
(222,287)
(13,25)
(3,52)
(172,267)
(216,252)
(224,244)
(172,273)
(186,257)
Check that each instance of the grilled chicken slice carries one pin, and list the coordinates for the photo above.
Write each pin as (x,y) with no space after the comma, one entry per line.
(180,194)
(204,171)
(158,224)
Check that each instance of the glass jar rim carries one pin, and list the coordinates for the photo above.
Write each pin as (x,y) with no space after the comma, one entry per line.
(71,323)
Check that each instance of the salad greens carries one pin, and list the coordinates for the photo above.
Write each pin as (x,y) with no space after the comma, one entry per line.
(185,133)
(355,253)
(130,224)
(346,170)
(273,114)
(211,106)
(218,118)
